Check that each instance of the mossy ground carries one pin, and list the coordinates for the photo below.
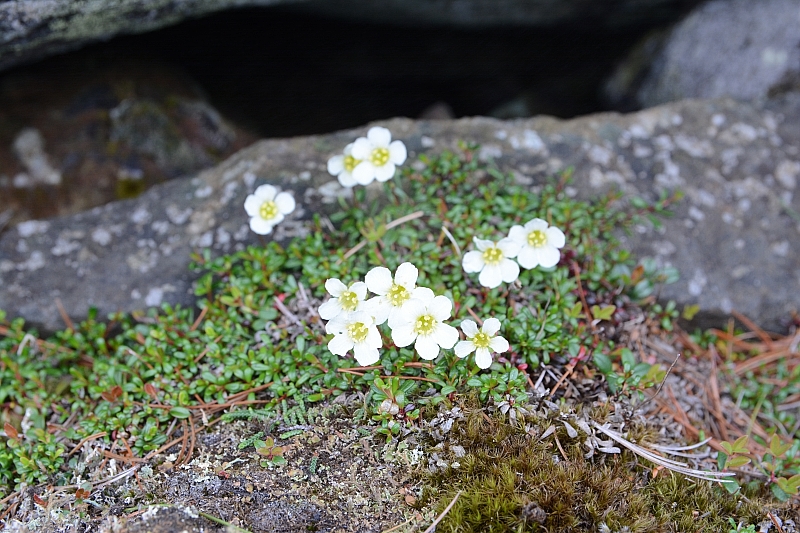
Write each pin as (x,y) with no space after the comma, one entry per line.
(107,399)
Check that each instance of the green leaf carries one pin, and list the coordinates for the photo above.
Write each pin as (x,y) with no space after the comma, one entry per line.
(180,412)
(602,362)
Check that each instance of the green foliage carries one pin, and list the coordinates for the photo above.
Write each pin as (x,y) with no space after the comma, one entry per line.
(255,335)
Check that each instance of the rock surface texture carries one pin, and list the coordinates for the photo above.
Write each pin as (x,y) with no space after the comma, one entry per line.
(735,48)
(31,29)
(734,238)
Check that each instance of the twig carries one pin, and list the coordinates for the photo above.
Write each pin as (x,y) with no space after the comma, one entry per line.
(449,235)
(661,385)
(285,312)
(393,224)
(64,316)
(444,513)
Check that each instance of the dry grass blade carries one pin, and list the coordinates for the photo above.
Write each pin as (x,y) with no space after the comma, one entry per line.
(444,513)
(669,464)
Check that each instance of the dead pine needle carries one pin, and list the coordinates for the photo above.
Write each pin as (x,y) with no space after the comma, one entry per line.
(444,513)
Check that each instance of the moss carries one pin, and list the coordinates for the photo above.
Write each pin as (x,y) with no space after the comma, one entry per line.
(510,481)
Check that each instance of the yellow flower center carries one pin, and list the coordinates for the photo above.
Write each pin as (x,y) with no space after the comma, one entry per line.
(350,163)
(481,340)
(358,331)
(425,325)
(537,238)
(268,210)
(348,300)
(379,156)
(492,256)
(397,295)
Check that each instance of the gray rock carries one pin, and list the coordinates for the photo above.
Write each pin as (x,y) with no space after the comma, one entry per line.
(734,238)
(735,48)
(32,29)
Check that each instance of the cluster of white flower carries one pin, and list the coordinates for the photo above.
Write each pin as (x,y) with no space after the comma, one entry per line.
(534,244)
(415,315)
(374,157)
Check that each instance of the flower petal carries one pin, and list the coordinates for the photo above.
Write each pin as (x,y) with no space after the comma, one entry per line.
(528,258)
(499,344)
(464,348)
(379,280)
(340,345)
(403,335)
(491,276)
(406,275)
(469,327)
(509,270)
(490,326)
(336,325)
(252,204)
(422,294)
(365,355)
(440,308)
(360,288)
(379,309)
(336,165)
(518,234)
(482,244)
(397,152)
(555,237)
(346,179)
(364,173)
(266,192)
(374,339)
(509,247)
(483,358)
(285,203)
(362,148)
(548,256)
(426,347)
(446,336)
(535,224)
(379,137)
(335,287)
(473,261)
(330,310)
(261,226)
(385,172)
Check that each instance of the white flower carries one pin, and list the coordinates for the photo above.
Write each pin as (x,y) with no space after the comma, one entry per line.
(392,295)
(342,166)
(345,299)
(267,207)
(422,321)
(379,156)
(539,243)
(357,332)
(483,342)
(493,261)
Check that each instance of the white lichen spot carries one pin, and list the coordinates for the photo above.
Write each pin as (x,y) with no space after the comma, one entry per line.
(664,143)
(22,246)
(703,197)
(101,236)
(739,133)
(676,120)
(204,192)
(664,248)
(34,262)
(29,148)
(136,295)
(501,135)
(64,246)
(177,215)
(781,248)
(332,191)
(154,297)
(744,205)
(740,271)
(530,141)
(229,191)
(161,227)
(717,120)
(696,213)
(427,142)
(141,215)
(32,227)
(697,283)
(598,178)
(694,147)
(249,179)
(774,57)
(489,151)
(7,266)
(639,131)
(642,151)
(223,238)
(786,173)
(304,175)
(599,155)
(725,305)
(205,240)
(242,233)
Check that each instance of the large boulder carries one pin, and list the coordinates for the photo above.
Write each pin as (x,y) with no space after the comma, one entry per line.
(737,48)
(733,238)
(31,29)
